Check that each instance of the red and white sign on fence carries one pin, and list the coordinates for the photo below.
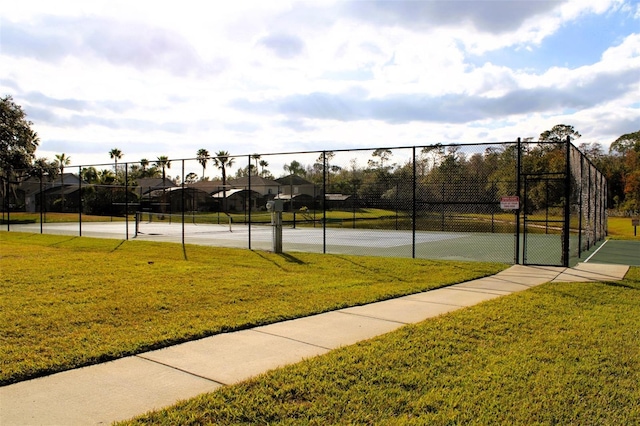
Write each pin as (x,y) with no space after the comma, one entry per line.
(510,203)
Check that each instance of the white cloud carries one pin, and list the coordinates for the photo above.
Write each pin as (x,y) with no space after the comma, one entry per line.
(158,79)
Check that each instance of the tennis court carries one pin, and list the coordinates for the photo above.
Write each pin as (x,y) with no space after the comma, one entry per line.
(471,246)
(617,252)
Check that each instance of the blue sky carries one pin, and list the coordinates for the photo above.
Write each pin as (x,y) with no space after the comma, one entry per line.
(577,44)
(164,78)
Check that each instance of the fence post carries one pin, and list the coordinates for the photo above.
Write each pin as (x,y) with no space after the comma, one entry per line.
(567,206)
(516,258)
(248,201)
(580,205)
(126,200)
(413,213)
(324,201)
(182,201)
(80,201)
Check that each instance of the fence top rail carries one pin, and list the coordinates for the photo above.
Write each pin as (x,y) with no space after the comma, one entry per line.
(319,151)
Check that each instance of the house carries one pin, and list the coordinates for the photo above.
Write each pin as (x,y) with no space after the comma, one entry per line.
(338,201)
(152,194)
(50,193)
(208,186)
(265,187)
(262,190)
(174,199)
(237,199)
(146,185)
(297,192)
(235,196)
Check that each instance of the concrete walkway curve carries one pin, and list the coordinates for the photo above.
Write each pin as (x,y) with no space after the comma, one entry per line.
(124,388)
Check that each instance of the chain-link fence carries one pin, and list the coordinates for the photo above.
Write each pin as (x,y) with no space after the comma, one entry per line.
(503,202)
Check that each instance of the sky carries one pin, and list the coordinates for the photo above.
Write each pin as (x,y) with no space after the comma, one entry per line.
(156,78)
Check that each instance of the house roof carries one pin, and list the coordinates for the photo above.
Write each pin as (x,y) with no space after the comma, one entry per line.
(230,192)
(255,181)
(293,180)
(288,196)
(209,186)
(176,189)
(150,184)
(31,185)
(336,197)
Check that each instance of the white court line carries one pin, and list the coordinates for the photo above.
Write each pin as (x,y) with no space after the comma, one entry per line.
(594,253)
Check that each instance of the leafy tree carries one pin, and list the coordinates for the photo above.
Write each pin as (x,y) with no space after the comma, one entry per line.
(625,143)
(62,160)
(246,171)
(383,155)
(18,143)
(622,169)
(559,133)
(89,174)
(593,151)
(323,164)
(203,159)
(106,177)
(294,168)
(43,169)
(191,178)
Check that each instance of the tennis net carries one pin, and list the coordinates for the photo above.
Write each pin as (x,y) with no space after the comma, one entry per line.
(152,223)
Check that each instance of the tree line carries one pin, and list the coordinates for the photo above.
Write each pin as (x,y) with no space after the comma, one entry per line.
(485,174)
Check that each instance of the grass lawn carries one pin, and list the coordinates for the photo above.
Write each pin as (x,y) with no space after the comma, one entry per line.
(621,228)
(55,217)
(562,353)
(72,301)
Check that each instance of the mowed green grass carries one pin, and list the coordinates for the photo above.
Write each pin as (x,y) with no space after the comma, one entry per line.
(55,217)
(622,228)
(561,353)
(72,301)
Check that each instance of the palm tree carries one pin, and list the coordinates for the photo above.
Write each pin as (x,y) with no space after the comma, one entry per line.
(40,169)
(115,154)
(163,162)
(61,161)
(203,158)
(144,163)
(223,161)
(263,164)
(256,157)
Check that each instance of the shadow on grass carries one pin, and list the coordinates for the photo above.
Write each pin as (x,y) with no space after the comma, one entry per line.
(286,256)
(62,241)
(630,286)
(291,259)
(368,268)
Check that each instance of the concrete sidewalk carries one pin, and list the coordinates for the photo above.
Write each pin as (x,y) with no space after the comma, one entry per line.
(121,389)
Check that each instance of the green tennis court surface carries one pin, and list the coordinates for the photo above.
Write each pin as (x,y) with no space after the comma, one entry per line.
(618,252)
(538,249)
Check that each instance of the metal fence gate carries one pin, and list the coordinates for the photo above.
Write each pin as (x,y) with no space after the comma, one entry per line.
(544,230)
